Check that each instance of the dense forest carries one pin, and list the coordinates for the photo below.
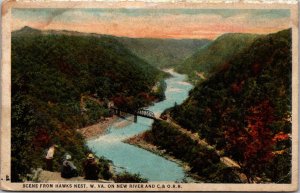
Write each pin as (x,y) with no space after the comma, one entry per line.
(241,103)
(243,110)
(51,73)
(163,52)
(213,56)
(203,160)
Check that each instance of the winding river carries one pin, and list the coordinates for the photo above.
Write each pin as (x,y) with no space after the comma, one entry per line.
(136,160)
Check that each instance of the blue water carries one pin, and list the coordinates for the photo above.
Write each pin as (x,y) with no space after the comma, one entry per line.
(136,160)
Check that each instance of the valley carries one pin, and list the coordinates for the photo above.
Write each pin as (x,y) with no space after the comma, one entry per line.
(221,106)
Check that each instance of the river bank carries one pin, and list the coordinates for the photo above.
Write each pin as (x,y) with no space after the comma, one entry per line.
(98,129)
(137,159)
(140,141)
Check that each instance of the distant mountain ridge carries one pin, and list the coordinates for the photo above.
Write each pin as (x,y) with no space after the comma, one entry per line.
(214,55)
(157,52)
(163,52)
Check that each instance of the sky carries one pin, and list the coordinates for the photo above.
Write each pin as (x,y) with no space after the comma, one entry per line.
(155,23)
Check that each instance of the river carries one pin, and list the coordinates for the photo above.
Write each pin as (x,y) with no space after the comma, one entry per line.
(136,160)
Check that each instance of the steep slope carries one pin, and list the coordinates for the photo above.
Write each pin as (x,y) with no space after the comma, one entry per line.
(157,52)
(214,56)
(51,73)
(163,52)
(244,110)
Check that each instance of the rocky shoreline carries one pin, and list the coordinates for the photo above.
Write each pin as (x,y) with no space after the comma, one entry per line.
(100,128)
(141,142)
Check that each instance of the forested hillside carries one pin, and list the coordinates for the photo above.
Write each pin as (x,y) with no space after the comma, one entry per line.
(214,56)
(163,52)
(51,73)
(244,110)
(160,53)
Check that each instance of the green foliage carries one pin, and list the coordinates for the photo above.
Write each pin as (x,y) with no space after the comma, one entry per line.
(93,113)
(160,53)
(246,105)
(105,173)
(161,87)
(214,56)
(50,73)
(203,161)
(163,52)
(126,177)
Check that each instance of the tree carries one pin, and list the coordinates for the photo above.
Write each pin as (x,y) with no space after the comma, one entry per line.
(126,177)
(252,145)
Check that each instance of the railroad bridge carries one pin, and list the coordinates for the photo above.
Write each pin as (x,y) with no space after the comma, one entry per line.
(140,112)
(116,110)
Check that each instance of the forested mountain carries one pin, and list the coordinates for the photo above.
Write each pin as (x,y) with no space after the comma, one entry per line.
(157,52)
(243,110)
(163,52)
(214,56)
(51,73)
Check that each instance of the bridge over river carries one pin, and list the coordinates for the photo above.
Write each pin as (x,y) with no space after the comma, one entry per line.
(140,112)
(136,160)
(117,111)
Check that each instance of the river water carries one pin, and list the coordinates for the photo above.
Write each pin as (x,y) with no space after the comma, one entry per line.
(136,160)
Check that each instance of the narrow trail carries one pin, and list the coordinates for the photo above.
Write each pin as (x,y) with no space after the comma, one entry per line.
(225,160)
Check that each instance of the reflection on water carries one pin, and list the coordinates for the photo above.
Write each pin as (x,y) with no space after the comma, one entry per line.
(137,160)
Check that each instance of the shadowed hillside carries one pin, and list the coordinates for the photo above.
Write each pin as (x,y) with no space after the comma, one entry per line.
(51,73)
(157,52)
(163,52)
(244,111)
(214,56)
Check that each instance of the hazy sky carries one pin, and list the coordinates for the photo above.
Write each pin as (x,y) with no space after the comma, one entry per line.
(155,23)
